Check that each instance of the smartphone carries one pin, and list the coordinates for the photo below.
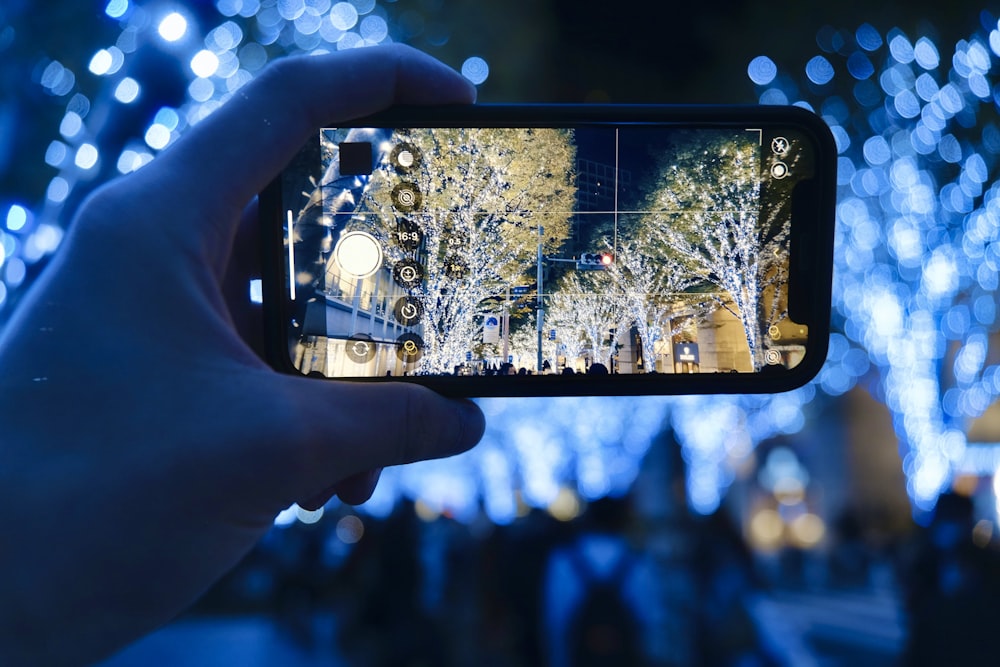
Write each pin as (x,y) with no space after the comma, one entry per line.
(539,250)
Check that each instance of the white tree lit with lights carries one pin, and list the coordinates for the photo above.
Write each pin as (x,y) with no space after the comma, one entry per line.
(918,231)
(590,309)
(706,211)
(477,198)
(653,296)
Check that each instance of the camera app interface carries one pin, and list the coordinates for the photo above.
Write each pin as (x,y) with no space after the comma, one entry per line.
(530,251)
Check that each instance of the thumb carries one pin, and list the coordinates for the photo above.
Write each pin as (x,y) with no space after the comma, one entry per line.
(353,428)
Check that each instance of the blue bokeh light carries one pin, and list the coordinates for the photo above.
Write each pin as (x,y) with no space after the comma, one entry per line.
(918,244)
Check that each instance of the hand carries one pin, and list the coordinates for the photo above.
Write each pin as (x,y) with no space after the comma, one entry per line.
(145,447)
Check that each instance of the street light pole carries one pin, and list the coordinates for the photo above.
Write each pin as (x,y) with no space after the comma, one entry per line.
(505,327)
(540,313)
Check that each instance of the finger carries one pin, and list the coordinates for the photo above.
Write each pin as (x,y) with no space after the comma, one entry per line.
(350,428)
(354,490)
(359,488)
(223,161)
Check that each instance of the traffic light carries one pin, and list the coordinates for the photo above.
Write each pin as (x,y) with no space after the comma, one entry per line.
(591,261)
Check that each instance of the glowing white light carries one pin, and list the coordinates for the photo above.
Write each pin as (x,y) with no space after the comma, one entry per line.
(940,275)
(116,8)
(291,9)
(101,62)
(877,151)
(224,38)
(204,63)
(56,154)
(256,291)
(173,27)
(374,29)
(15,272)
(168,118)
(901,49)
(229,65)
(201,90)
(308,516)
(127,90)
(57,79)
(17,217)
(157,136)
(926,54)
(929,477)
(350,40)
(58,190)
(46,238)
(71,125)
(253,56)
(86,156)
(286,517)
(475,69)
(131,160)
(343,16)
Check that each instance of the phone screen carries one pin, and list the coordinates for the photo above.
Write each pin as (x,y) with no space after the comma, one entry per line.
(598,248)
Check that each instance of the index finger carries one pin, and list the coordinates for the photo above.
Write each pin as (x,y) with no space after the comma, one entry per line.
(225,160)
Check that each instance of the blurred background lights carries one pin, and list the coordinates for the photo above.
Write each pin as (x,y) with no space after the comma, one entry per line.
(308,516)
(173,27)
(17,218)
(116,8)
(157,136)
(57,79)
(204,63)
(127,90)
(86,156)
(58,190)
(819,70)
(918,249)
(101,62)
(350,529)
(475,69)
(343,16)
(762,70)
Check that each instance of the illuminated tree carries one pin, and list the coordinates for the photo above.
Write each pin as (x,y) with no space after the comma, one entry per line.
(471,202)
(705,212)
(524,343)
(653,294)
(586,307)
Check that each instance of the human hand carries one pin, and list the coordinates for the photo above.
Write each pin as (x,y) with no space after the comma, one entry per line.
(145,445)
